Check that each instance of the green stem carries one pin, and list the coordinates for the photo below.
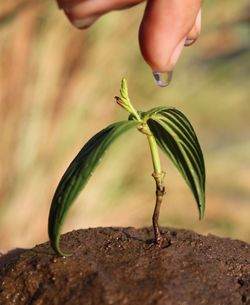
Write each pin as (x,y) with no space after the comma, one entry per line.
(154,154)
(135,113)
(126,104)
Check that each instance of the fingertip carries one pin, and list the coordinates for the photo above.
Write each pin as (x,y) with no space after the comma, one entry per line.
(164,29)
(160,55)
(152,48)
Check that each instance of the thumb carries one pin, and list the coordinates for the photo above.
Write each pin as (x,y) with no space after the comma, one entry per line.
(164,29)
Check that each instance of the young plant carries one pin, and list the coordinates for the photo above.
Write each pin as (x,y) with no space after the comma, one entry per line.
(164,127)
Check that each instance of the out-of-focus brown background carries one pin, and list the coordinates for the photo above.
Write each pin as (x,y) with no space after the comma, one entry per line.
(56,90)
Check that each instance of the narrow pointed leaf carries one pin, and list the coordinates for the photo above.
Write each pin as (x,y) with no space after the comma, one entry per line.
(176,137)
(77,175)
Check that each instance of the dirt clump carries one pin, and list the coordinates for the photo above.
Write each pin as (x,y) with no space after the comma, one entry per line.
(121,266)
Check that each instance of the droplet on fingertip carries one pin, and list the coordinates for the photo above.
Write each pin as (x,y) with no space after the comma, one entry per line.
(163,79)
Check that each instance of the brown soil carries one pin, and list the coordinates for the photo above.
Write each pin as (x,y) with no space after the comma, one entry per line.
(121,266)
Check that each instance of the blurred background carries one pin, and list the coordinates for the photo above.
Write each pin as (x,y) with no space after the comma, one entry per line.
(56,90)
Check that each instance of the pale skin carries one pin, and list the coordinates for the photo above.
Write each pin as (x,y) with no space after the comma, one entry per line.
(166,27)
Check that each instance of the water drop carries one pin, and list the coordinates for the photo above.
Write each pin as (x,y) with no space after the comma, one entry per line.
(163,79)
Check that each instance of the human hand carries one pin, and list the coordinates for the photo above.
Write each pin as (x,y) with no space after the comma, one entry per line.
(167,26)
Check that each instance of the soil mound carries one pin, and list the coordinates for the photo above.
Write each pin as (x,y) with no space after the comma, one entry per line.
(122,266)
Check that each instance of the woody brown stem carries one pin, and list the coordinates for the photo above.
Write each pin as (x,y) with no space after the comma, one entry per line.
(160,192)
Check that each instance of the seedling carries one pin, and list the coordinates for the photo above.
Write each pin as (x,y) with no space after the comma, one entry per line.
(164,127)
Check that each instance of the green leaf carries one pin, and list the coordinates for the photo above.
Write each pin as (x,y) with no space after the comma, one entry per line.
(77,175)
(177,139)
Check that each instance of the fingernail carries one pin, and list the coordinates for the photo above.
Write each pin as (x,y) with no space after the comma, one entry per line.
(188,42)
(83,23)
(163,79)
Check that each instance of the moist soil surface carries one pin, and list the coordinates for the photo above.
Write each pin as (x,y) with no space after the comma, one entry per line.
(123,266)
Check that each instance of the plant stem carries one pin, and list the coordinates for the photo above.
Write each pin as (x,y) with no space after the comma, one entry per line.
(160,192)
(154,154)
(158,175)
(135,113)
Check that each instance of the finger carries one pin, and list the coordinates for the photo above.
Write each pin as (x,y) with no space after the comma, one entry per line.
(77,10)
(95,4)
(163,31)
(64,4)
(194,34)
